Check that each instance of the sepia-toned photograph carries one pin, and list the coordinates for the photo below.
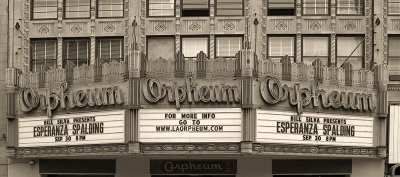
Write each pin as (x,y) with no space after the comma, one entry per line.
(200,88)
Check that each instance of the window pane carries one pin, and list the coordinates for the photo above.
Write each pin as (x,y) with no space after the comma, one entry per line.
(281,7)
(394,55)
(228,46)
(192,46)
(346,45)
(394,7)
(44,53)
(315,46)
(229,7)
(44,9)
(161,7)
(161,47)
(281,4)
(355,7)
(77,8)
(108,49)
(280,46)
(314,7)
(195,4)
(110,8)
(195,8)
(394,46)
(77,51)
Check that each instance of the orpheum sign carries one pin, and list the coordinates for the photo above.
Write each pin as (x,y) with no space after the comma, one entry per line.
(190,91)
(273,92)
(196,167)
(47,100)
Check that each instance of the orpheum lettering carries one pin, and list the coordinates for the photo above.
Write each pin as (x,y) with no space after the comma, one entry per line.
(154,91)
(273,92)
(190,166)
(30,99)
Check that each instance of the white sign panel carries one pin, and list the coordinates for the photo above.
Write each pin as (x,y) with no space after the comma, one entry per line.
(314,129)
(190,125)
(72,129)
(394,142)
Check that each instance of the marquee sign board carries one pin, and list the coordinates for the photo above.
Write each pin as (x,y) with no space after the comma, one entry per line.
(314,129)
(72,129)
(190,125)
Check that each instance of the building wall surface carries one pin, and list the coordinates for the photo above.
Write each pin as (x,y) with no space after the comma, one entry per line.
(3,66)
(152,75)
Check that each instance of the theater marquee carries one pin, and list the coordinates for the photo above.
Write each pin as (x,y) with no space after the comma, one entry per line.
(314,129)
(72,129)
(190,125)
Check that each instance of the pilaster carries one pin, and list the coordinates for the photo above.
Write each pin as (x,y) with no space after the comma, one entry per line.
(12,88)
(248,58)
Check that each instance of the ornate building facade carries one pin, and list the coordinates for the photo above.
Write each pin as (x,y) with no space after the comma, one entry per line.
(273,88)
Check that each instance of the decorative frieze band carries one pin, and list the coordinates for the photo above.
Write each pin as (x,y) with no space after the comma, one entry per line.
(106,149)
(318,150)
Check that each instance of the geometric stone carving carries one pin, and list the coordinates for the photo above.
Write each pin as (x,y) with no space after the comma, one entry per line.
(195,26)
(229,26)
(395,24)
(350,26)
(160,27)
(44,28)
(282,25)
(76,28)
(109,28)
(315,25)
